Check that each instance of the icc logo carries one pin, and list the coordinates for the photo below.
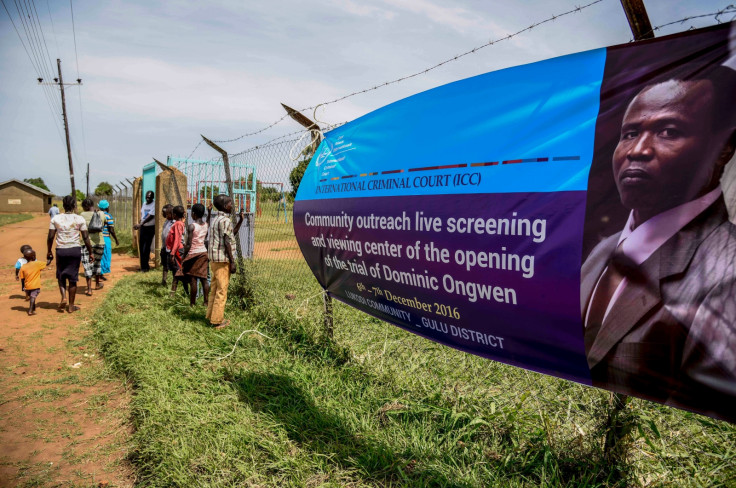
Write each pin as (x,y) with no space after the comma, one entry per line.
(323,155)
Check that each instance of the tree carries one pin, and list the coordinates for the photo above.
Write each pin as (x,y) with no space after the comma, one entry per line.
(296,175)
(80,195)
(209,192)
(37,182)
(103,189)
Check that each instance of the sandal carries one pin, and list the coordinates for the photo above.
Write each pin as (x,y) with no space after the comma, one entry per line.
(71,309)
(99,287)
(221,325)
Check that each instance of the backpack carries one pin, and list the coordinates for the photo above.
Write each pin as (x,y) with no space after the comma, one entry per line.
(95,224)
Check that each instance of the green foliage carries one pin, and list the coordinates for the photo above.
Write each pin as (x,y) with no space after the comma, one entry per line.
(80,195)
(296,175)
(103,189)
(209,192)
(242,289)
(269,194)
(37,182)
(377,406)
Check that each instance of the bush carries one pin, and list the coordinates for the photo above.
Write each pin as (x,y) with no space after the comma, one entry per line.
(242,289)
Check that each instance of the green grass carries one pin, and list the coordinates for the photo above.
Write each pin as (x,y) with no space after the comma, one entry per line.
(270,225)
(127,246)
(6,219)
(376,406)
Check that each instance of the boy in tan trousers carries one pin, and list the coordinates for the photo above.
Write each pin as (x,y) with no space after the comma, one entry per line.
(221,253)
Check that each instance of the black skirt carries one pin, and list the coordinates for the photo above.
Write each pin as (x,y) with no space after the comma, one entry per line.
(67,263)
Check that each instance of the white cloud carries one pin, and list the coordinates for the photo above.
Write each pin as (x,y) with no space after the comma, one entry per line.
(155,89)
(363,10)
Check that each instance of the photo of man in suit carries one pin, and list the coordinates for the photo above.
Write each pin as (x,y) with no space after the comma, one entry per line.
(658,299)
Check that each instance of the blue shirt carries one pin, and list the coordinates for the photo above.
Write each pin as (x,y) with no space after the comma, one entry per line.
(109,222)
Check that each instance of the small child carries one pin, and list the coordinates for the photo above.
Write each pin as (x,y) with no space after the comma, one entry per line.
(196,263)
(176,248)
(21,261)
(31,274)
(166,212)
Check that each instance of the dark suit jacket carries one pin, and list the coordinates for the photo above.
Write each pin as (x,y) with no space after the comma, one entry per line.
(671,336)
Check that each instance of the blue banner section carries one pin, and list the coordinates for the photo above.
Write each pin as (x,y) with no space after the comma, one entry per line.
(464,213)
(523,129)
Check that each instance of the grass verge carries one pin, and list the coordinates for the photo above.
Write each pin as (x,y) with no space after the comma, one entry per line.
(375,407)
(6,219)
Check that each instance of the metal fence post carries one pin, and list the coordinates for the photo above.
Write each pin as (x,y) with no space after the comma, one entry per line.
(329,323)
(229,183)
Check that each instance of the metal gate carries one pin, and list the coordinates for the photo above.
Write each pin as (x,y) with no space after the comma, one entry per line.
(206,180)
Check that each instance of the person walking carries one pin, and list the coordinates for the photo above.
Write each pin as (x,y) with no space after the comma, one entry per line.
(147,229)
(107,231)
(95,223)
(67,229)
(53,211)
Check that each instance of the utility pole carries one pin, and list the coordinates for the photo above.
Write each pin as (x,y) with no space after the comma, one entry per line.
(87,180)
(638,19)
(60,81)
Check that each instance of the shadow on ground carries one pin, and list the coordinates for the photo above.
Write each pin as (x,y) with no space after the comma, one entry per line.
(327,435)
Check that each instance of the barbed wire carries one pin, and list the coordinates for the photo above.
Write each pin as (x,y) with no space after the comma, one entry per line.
(273,142)
(731,8)
(418,73)
(728,9)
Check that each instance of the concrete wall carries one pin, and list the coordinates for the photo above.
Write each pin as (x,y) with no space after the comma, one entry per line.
(15,198)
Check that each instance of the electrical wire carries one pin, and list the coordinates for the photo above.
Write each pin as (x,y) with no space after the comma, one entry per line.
(53,29)
(36,69)
(76,57)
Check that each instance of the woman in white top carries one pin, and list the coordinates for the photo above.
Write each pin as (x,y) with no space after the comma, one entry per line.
(66,229)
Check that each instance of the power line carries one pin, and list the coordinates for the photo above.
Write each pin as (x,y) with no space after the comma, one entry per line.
(53,29)
(35,20)
(74,33)
(40,28)
(35,68)
(42,69)
(76,58)
(425,71)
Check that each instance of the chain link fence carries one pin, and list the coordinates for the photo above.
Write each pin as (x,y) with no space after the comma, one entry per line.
(277,174)
(121,209)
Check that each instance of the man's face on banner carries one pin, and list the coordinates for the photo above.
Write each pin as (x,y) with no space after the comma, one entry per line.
(667,151)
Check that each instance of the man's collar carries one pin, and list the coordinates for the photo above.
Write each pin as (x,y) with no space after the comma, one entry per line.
(642,242)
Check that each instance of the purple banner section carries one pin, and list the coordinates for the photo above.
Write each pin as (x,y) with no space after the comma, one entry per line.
(495,275)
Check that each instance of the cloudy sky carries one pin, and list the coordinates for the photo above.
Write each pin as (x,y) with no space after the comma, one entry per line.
(157,74)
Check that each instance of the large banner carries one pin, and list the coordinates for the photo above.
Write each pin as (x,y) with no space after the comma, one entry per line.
(568,216)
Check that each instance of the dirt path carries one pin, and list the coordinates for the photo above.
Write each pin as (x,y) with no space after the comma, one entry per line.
(63,416)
